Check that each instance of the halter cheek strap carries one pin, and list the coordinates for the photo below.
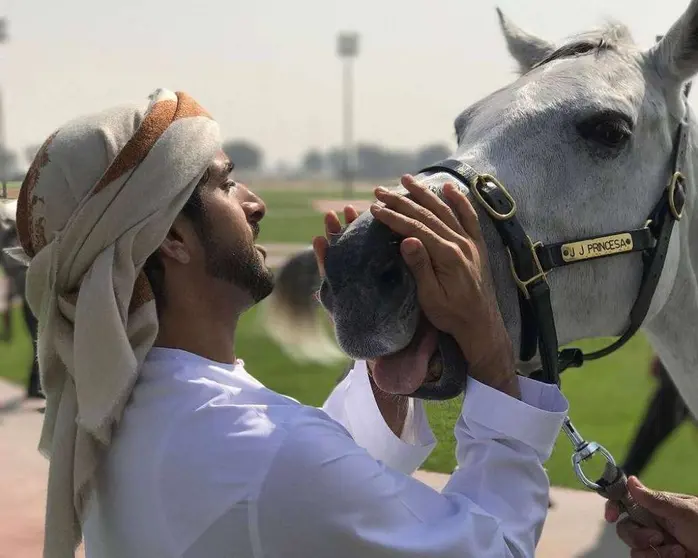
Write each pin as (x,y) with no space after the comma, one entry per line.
(526,267)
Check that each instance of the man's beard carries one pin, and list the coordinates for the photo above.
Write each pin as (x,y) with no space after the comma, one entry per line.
(242,266)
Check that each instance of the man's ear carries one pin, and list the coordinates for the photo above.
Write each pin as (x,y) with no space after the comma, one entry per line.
(178,243)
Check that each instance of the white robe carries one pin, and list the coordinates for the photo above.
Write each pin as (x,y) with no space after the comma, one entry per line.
(209,463)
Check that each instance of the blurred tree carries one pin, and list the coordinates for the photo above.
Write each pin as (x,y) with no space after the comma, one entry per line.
(431,154)
(30,152)
(376,162)
(313,162)
(244,154)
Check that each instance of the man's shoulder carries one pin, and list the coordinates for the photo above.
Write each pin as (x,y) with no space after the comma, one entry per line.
(243,428)
(220,456)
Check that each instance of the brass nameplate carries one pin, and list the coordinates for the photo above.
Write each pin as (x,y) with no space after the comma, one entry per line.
(597,247)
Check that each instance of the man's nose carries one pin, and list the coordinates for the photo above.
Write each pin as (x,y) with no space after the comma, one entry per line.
(254,206)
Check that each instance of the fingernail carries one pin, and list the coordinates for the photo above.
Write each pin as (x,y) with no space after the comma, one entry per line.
(381,190)
(656,539)
(375,207)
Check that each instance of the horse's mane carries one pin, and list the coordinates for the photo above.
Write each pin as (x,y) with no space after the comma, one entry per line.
(612,36)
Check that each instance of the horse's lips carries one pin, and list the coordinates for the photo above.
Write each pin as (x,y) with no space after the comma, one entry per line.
(403,372)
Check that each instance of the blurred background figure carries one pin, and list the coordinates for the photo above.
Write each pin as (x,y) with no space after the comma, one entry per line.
(14,276)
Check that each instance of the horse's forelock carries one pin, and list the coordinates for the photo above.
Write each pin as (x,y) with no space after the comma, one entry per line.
(613,36)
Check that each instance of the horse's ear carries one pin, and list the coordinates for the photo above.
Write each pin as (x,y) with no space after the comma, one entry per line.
(526,49)
(675,56)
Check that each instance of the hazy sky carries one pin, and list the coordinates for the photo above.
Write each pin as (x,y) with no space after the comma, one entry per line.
(267,69)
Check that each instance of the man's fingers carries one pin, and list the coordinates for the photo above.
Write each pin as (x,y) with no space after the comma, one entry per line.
(661,504)
(332,224)
(409,208)
(408,227)
(320,249)
(669,551)
(638,537)
(429,200)
(417,259)
(350,214)
(467,216)
(611,512)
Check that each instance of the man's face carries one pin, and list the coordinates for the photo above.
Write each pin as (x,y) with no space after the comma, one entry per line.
(231,217)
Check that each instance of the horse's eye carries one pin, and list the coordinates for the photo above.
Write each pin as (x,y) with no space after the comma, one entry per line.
(609,131)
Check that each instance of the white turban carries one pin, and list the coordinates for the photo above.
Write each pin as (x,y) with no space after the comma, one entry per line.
(98,199)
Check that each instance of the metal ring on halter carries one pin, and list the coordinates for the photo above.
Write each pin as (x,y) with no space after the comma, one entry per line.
(474,188)
(585,453)
(676,212)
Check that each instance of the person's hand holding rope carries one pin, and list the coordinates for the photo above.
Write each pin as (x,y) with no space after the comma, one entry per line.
(676,513)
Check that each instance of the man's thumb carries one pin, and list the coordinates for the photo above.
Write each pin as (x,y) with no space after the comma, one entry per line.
(659,503)
(414,254)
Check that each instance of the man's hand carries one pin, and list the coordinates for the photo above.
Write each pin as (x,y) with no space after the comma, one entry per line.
(676,513)
(332,228)
(392,407)
(445,250)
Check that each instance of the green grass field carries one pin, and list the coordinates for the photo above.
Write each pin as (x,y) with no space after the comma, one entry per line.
(290,216)
(607,398)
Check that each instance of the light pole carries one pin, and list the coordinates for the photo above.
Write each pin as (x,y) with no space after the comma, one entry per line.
(348,49)
(3,150)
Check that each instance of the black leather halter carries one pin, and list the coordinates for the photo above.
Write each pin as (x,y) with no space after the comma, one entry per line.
(531,261)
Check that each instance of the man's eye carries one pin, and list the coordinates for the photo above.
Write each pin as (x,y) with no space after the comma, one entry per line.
(228,185)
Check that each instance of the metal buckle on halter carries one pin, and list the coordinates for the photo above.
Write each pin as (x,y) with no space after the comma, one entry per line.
(483,178)
(583,450)
(675,179)
(523,284)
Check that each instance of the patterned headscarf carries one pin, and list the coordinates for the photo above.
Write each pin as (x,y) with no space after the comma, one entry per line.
(99,198)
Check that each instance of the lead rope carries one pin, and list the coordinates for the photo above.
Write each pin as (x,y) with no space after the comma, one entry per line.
(613,484)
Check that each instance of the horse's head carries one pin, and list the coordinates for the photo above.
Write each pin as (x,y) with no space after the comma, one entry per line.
(583,141)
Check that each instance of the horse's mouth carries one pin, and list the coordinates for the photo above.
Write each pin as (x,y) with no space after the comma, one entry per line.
(420,363)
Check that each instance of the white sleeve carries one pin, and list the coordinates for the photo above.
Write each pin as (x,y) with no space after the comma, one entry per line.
(353,405)
(325,496)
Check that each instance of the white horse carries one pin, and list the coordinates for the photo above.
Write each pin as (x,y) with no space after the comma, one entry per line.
(584,141)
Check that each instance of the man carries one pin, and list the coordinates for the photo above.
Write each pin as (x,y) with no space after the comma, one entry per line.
(162,444)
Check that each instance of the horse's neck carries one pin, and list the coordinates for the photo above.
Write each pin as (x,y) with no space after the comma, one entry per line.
(671,327)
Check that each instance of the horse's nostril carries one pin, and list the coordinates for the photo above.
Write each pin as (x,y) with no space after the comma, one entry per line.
(391,276)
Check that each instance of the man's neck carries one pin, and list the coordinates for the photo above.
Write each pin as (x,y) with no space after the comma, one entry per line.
(196,332)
